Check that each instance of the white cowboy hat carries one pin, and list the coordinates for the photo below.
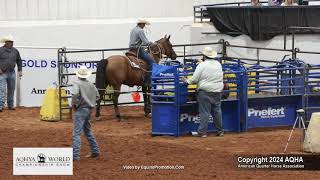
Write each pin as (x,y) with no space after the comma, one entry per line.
(83,72)
(209,52)
(143,21)
(7,38)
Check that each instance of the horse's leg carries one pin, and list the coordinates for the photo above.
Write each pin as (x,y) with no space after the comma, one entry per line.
(146,101)
(101,92)
(149,98)
(115,101)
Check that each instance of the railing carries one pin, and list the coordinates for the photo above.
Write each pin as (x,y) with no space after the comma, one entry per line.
(62,60)
(200,13)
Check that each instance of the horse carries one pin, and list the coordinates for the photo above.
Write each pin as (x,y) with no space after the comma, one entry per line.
(117,70)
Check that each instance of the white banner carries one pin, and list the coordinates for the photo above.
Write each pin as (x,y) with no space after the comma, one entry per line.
(42,161)
(40,74)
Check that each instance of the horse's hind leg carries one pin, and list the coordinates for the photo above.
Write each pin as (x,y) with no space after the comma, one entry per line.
(115,101)
(101,92)
(98,110)
(146,100)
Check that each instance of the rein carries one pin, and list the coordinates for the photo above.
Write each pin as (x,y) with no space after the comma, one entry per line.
(160,48)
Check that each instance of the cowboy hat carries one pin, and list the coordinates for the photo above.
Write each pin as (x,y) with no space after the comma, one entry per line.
(143,21)
(83,72)
(7,38)
(209,52)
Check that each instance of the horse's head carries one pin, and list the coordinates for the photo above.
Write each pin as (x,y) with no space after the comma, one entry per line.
(167,47)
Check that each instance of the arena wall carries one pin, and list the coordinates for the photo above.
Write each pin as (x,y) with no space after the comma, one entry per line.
(303,42)
(38,42)
(96,9)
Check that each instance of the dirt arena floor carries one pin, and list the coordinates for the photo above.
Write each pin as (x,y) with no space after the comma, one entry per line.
(130,143)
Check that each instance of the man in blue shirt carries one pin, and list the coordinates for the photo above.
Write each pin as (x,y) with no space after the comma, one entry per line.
(139,39)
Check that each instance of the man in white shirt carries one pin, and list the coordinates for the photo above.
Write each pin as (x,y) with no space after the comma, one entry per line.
(209,79)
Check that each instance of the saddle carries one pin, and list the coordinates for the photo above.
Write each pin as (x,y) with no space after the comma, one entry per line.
(131,53)
(134,60)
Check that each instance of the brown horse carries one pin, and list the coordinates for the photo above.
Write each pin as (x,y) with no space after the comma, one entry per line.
(117,70)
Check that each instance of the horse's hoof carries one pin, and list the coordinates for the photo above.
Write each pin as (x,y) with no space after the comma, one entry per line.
(119,118)
(147,115)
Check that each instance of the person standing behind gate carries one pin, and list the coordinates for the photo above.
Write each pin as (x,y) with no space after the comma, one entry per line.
(289,3)
(84,97)
(138,39)
(255,3)
(274,2)
(9,57)
(209,79)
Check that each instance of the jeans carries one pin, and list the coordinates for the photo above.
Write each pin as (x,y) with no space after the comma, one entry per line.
(209,104)
(82,123)
(7,80)
(147,58)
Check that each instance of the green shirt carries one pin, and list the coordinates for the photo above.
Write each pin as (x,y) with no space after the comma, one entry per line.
(208,76)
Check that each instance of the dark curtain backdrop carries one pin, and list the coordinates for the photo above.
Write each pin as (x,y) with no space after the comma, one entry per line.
(263,23)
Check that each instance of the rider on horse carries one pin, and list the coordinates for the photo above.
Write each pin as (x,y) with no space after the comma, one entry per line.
(139,39)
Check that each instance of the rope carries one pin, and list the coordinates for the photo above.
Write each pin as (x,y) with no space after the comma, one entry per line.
(115,90)
(121,92)
(139,58)
(152,52)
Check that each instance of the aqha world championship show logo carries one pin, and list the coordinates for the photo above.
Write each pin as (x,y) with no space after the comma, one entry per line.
(42,161)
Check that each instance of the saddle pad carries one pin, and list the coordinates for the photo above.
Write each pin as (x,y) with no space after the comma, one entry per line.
(133,64)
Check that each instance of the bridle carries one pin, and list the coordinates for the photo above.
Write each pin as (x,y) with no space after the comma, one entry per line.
(160,52)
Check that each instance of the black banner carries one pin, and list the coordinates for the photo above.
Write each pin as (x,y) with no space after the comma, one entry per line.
(263,23)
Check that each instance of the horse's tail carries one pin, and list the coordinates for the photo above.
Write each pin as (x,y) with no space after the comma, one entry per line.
(101,82)
(101,77)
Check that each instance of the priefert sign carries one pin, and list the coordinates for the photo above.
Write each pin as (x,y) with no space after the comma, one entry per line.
(267,112)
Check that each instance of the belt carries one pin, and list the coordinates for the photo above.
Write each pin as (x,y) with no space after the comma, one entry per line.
(209,92)
(85,107)
(7,71)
